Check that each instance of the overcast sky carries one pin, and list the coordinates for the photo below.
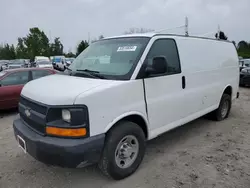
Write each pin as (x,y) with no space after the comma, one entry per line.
(71,20)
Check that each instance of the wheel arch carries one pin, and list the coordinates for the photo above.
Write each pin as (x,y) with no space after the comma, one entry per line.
(228,90)
(135,117)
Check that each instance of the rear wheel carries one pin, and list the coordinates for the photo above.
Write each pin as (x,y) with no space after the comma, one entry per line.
(224,108)
(123,151)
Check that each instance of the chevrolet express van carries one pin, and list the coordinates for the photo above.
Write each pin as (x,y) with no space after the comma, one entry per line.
(104,111)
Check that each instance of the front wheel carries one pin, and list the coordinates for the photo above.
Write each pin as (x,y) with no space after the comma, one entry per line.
(123,151)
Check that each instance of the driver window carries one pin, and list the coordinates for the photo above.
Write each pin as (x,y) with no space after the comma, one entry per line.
(17,78)
(165,48)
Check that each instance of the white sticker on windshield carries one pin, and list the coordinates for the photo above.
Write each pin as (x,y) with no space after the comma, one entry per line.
(126,49)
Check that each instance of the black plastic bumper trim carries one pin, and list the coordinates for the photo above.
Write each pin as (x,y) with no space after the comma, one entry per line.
(60,151)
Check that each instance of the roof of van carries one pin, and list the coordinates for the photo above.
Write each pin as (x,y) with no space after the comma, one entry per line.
(149,35)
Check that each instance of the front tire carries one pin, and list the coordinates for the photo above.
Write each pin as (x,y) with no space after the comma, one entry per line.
(123,151)
(224,108)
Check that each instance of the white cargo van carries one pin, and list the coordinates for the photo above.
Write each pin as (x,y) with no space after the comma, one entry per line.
(104,112)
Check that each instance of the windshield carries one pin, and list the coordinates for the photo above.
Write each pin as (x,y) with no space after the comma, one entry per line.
(113,58)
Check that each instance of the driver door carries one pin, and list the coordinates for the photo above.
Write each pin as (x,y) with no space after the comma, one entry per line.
(164,92)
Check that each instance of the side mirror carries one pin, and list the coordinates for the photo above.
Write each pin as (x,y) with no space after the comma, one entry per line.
(159,66)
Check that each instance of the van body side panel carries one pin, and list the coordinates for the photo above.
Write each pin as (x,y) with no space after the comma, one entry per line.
(110,102)
(209,67)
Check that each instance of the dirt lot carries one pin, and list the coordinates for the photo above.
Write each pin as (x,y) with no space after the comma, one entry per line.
(200,154)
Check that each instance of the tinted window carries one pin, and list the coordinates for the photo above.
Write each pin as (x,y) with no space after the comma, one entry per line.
(165,48)
(40,73)
(18,78)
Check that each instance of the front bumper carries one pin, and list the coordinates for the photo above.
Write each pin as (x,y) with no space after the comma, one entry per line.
(63,152)
(245,79)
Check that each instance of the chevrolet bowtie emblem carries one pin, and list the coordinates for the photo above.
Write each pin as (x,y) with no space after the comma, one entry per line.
(27,112)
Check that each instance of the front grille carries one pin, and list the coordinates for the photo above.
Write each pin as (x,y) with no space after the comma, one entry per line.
(36,120)
(34,106)
(246,79)
(32,124)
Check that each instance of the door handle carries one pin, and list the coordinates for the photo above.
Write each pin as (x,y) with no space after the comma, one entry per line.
(183,82)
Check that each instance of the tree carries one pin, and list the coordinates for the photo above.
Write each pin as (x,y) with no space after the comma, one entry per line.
(243,45)
(244,49)
(12,52)
(81,46)
(222,35)
(21,50)
(37,43)
(7,52)
(69,54)
(138,30)
(56,48)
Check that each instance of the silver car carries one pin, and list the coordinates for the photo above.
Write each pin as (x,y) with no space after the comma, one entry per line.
(17,63)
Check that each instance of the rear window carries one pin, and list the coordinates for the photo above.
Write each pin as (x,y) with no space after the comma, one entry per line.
(40,73)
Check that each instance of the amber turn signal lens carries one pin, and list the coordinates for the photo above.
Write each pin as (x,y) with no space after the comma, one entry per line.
(66,132)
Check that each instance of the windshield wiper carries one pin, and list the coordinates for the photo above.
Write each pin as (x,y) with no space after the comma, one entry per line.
(95,74)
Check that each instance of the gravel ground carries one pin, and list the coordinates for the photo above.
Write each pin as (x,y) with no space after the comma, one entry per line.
(202,153)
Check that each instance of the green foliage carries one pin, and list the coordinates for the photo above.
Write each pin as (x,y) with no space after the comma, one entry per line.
(7,52)
(56,48)
(69,54)
(21,50)
(81,46)
(36,43)
(244,49)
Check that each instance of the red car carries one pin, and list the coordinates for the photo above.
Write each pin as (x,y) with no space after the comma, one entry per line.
(12,82)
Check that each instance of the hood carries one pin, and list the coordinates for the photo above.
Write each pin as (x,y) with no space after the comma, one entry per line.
(59,89)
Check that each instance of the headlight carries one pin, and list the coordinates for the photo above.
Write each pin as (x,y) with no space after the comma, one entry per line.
(66,115)
(68,121)
(245,71)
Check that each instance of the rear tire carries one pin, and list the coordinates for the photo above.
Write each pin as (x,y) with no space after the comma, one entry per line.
(118,161)
(223,111)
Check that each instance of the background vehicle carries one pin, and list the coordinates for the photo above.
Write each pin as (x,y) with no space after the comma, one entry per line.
(12,82)
(59,62)
(3,64)
(68,61)
(27,63)
(41,58)
(44,64)
(244,63)
(122,91)
(16,63)
(245,76)
(37,59)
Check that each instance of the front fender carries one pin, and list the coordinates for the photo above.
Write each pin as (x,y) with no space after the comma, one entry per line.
(124,115)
